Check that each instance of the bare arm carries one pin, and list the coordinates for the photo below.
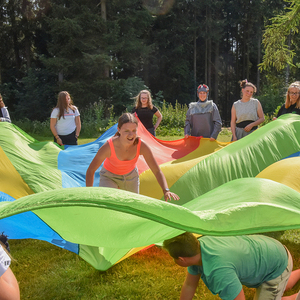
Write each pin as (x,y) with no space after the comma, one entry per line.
(102,153)
(53,122)
(189,287)
(240,296)
(153,165)
(261,117)
(159,118)
(78,126)
(9,286)
(233,123)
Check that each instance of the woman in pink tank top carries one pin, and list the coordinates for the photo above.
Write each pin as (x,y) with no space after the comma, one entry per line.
(120,155)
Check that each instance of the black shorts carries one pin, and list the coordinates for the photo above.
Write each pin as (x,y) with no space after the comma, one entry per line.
(69,139)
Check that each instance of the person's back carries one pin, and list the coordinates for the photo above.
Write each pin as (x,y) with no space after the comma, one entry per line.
(226,263)
(229,262)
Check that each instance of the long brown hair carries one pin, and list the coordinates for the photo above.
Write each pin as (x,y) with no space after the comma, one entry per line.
(127,118)
(62,104)
(138,103)
(288,103)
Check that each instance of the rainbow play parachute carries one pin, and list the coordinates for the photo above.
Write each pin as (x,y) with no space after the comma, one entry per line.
(249,186)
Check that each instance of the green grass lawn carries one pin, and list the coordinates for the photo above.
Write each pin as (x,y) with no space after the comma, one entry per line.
(47,272)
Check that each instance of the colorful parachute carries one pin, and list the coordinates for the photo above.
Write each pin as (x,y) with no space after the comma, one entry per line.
(248,186)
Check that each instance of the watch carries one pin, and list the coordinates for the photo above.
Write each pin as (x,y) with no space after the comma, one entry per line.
(167,190)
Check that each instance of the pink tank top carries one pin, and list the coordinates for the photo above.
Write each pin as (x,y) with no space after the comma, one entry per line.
(120,167)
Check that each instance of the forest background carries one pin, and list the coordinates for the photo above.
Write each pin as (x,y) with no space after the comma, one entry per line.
(105,52)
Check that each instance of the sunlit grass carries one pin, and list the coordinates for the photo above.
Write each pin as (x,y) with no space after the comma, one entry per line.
(47,272)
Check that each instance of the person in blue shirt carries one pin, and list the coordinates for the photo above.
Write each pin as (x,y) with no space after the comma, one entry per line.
(226,263)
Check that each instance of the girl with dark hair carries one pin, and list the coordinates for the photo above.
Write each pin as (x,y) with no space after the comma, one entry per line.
(246,113)
(65,121)
(120,154)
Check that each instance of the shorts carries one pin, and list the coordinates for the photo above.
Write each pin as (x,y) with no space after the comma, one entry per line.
(274,289)
(240,132)
(151,130)
(128,182)
(69,139)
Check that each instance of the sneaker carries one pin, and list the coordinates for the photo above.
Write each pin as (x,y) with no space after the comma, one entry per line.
(4,240)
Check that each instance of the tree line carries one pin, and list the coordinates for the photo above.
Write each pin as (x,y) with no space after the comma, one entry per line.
(108,50)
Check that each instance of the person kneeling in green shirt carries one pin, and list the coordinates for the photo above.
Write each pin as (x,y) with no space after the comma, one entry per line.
(226,263)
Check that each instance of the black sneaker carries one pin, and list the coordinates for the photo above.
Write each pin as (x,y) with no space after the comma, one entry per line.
(4,240)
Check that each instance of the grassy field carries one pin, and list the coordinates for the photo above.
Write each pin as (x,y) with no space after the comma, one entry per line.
(47,272)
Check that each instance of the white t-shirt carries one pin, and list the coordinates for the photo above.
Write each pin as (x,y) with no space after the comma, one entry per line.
(4,261)
(65,125)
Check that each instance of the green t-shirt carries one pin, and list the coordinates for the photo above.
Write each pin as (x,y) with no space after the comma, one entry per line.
(229,262)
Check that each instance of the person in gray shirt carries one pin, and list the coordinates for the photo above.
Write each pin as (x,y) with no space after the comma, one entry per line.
(4,114)
(203,117)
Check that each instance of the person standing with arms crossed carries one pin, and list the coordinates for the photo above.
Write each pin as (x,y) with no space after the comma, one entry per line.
(203,117)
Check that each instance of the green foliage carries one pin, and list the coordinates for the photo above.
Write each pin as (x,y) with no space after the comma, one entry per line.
(48,272)
(124,91)
(96,119)
(34,127)
(72,45)
(269,117)
(278,52)
(173,119)
(36,96)
(271,96)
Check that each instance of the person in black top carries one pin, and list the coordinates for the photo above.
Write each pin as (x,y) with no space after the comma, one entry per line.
(292,102)
(145,111)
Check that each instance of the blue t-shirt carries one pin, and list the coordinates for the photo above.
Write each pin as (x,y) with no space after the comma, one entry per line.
(229,262)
